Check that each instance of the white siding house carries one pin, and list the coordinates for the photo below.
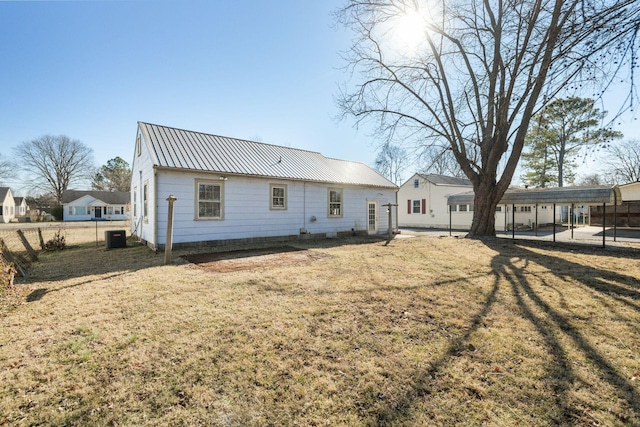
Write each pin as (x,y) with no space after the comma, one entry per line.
(21,206)
(7,205)
(232,189)
(95,205)
(630,192)
(423,201)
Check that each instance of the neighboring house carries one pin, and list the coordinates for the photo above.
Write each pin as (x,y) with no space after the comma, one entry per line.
(423,201)
(232,189)
(95,205)
(7,205)
(630,192)
(21,207)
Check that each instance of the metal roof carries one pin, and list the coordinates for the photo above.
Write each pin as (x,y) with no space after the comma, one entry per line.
(521,196)
(109,197)
(189,150)
(3,194)
(445,180)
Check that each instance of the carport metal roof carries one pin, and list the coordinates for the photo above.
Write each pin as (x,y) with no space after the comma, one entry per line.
(593,195)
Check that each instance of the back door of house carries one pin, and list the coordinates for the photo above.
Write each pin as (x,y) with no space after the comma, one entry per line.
(98,212)
(372,217)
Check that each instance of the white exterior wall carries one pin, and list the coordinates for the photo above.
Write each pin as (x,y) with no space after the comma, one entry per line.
(435,198)
(505,217)
(8,208)
(247,213)
(630,192)
(436,213)
(142,171)
(21,209)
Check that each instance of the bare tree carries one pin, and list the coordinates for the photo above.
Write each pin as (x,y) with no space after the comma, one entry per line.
(390,162)
(479,72)
(625,161)
(591,180)
(6,171)
(55,162)
(439,159)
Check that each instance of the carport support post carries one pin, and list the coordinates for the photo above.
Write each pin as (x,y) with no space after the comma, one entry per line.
(572,219)
(604,222)
(169,242)
(450,221)
(615,217)
(536,220)
(513,221)
(554,223)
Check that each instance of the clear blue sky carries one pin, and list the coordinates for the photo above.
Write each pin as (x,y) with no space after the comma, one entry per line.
(265,70)
(253,69)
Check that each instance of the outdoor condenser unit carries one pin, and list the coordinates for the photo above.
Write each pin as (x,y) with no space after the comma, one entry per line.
(115,238)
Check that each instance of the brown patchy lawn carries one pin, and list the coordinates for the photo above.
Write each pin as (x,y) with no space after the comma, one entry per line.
(426,331)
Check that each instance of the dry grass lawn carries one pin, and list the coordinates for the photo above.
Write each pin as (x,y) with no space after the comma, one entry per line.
(425,331)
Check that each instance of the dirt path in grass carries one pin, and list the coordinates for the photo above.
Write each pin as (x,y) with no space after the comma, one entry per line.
(223,262)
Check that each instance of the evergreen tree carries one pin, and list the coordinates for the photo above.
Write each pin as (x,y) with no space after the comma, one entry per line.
(560,131)
(114,176)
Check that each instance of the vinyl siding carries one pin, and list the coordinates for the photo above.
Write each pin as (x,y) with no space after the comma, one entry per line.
(247,213)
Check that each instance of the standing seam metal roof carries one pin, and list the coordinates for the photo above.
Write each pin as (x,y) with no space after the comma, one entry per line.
(183,149)
(585,195)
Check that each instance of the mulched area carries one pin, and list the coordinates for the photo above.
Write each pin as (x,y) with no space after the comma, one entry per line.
(224,262)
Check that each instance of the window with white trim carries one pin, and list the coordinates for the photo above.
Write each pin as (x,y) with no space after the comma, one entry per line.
(462,208)
(209,200)
(416,183)
(139,145)
(335,202)
(416,207)
(135,201)
(278,196)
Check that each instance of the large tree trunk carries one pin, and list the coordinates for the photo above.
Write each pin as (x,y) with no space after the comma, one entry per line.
(486,199)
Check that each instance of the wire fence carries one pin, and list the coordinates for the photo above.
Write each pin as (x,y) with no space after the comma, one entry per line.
(74,233)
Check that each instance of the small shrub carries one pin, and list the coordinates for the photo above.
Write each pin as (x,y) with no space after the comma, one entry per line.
(57,243)
(57,212)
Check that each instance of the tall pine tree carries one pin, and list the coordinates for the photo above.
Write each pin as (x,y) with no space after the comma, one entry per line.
(558,134)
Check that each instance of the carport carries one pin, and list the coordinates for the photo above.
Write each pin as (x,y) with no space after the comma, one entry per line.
(561,196)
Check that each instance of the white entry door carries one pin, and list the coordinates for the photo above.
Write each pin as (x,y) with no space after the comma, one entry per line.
(372,217)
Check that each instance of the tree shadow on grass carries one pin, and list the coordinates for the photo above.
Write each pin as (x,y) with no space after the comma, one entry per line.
(510,268)
(511,264)
(37,294)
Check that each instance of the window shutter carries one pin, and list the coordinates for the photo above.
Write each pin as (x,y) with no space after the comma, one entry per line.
(424,206)
(409,207)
